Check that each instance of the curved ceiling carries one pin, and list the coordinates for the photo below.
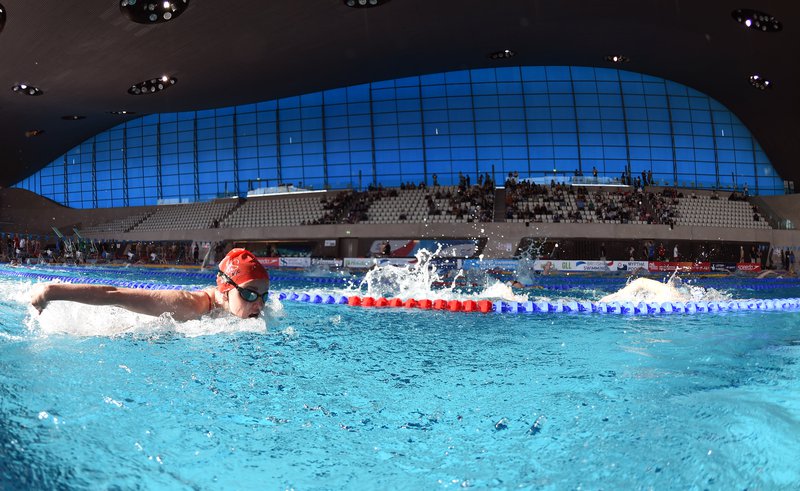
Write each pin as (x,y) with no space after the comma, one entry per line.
(86,55)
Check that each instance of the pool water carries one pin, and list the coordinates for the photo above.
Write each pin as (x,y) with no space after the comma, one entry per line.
(337,397)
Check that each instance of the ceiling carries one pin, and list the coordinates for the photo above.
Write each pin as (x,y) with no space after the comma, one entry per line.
(84,55)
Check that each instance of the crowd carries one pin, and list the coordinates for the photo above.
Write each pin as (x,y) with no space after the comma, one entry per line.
(558,202)
(473,203)
(18,248)
(572,204)
(334,207)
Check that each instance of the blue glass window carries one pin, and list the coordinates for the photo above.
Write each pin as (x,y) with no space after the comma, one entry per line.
(530,119)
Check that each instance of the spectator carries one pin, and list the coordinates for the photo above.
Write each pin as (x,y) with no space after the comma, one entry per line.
(662,252)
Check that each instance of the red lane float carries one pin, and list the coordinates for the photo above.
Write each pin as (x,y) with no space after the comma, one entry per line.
(483,306)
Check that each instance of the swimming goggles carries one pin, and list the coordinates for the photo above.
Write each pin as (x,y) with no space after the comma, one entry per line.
(247,294)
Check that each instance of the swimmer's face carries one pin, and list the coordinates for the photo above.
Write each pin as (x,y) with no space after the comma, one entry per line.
(241,308)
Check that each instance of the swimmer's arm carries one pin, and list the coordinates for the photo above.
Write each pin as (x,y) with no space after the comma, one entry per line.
(183,305)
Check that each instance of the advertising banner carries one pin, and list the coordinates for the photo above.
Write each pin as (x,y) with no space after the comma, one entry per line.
(510,265)
(491,264)
(589,266)
(269,262)
(368,262)
(447,264)
(629,265)
(722,267)
(337,263)
(751,267)
(285,262)
(294,262)
(668,267)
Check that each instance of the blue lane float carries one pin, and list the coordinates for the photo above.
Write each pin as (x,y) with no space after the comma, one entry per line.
(205,275)
(556,283)
(500,307)
(95,281)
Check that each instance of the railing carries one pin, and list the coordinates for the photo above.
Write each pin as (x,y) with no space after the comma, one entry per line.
(280,189)
(573,180)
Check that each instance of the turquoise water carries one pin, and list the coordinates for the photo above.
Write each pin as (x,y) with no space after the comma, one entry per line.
(335,397)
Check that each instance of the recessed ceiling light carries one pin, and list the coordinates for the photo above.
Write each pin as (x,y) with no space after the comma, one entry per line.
(73,117)
(122,113)
(364,4)
(760,82)
(617,59)
(2,17)
(150,12)
(27,89)
(153,85)
(502,55)
(754,19)
(32,133)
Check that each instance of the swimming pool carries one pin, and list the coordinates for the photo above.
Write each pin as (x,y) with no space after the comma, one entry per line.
(337,397)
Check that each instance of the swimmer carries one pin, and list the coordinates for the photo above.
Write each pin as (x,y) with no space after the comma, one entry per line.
(646,290)
(239,270)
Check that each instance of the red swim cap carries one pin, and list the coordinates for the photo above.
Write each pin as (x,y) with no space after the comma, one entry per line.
(241,266)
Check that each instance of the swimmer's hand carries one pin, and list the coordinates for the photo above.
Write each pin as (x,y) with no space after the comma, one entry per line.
(39,297)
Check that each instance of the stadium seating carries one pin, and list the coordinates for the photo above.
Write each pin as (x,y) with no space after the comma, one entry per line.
(123,224)
(702,211)
(276,212)
(187,217)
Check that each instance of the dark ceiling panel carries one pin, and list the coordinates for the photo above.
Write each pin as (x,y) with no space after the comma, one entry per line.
(85,55)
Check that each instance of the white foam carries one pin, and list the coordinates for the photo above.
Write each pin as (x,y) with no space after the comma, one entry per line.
(412,281)
(422,280)
(11,337)
(647,290)
(76,319)
(501,291)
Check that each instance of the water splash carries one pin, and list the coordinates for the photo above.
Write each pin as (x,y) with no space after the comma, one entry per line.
(75,319)
(323,271)
(415,280)
(526,262)
(673,290)
(500,290)
(422,279)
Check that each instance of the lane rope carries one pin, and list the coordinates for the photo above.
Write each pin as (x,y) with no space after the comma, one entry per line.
(203,275)
(483,306)
(543,282)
